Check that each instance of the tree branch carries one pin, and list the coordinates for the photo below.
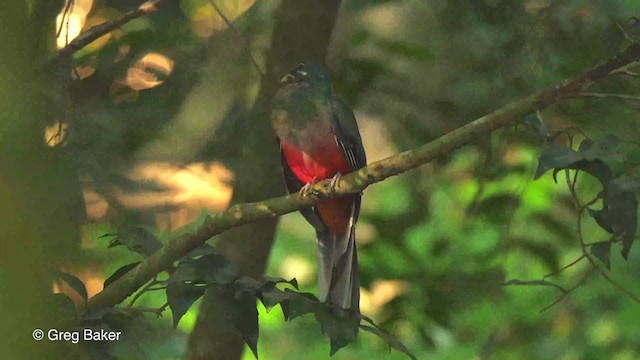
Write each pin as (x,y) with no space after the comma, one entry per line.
(95,32)
(355,182)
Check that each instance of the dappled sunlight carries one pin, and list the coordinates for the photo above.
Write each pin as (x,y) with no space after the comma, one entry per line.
(82,72)
(188,190)
(185,192)
(149,71)
(537,5)
(55,134)
(381,293)
(95,204)
(71,22)
(299,268)
(205,21)
(375,137)
(385,19)
(366,233)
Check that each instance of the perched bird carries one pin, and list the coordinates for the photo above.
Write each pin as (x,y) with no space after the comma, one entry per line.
(319,139)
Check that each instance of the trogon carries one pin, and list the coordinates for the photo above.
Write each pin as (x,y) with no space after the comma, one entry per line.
(319,139)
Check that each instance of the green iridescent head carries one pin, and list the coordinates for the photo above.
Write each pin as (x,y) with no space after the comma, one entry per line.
(306,72)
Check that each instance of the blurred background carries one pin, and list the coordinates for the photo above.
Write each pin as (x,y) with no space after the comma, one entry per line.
(165,120)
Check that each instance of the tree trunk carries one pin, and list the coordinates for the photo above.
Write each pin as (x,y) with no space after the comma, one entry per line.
(38,228)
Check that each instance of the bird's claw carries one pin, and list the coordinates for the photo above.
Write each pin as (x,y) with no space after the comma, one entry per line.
(335,181)
(306,189)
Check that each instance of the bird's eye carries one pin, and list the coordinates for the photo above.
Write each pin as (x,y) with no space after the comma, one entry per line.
(296,74)
(299,71)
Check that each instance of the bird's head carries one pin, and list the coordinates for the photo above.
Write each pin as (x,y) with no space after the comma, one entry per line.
(309,73)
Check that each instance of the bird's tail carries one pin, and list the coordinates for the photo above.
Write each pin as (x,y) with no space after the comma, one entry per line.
(338,279)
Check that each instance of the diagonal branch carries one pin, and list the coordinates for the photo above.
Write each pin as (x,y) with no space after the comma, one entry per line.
(241,214)
(95,32)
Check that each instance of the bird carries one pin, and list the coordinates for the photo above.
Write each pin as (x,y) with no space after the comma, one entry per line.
(319,139)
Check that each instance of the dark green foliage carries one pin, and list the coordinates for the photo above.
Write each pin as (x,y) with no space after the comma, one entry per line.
(136,239)
(76,284)
(194,276)
(619,212)
(602,251)
(119,273)
(180,297)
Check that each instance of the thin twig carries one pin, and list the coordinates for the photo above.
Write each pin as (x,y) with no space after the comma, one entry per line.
(230,25)
(626,72)
(608,95)
(572,189)
(593,201)
(568,291)
(65,13)
(157,311)
(564,267)
(625,69)
(95,32)
(516,282)
(146,288)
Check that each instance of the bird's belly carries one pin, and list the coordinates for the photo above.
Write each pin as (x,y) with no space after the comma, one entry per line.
(320,162)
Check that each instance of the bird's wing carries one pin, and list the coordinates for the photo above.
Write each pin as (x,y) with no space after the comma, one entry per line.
(345,128)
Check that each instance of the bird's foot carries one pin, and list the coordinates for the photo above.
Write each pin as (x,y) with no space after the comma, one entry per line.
(335,181)
(306,189)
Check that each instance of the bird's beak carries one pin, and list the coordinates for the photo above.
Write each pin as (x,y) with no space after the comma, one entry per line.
(285,79)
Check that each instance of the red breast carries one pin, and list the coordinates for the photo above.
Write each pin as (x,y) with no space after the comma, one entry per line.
(323,161)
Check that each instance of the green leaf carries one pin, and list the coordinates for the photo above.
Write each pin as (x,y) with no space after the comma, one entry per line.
(536,123)
(180,297)
(299,304)
(75,283)
(555,157)
(602,251)
(271,296)
(215,269)
(192,276)
(390,340)
(562,157)
(119,273)
(137,239)
(621,213)
(246,284)
(278,280)
(598,216)
(341,330)
(184,272)
(245,316)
